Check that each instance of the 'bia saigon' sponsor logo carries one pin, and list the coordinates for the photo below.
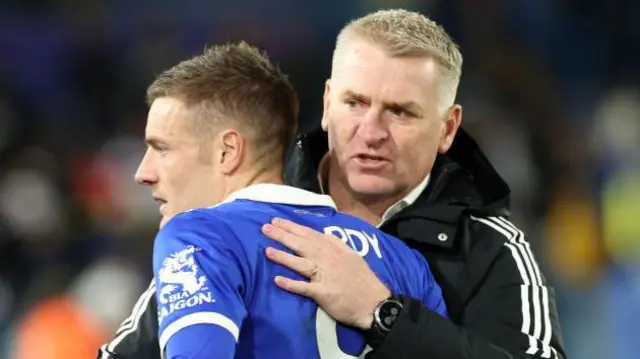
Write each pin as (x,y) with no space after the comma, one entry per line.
(180,285)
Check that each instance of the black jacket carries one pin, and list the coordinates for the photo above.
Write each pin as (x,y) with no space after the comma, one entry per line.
(499,304)
(497,298)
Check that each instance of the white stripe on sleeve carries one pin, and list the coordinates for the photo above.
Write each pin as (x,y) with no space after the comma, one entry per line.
(536,324)
(198,318)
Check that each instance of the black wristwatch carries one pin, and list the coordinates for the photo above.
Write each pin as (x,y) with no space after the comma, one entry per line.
(384,317)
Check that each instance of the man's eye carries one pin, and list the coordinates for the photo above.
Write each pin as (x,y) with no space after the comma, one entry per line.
(353,103)
(160,148)
(400,112)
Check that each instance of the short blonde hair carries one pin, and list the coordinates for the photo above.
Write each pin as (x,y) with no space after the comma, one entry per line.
(235,82)
(407,33)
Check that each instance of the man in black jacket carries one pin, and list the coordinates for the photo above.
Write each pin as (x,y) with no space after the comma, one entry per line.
(497,297)
(399,166)
(391,120)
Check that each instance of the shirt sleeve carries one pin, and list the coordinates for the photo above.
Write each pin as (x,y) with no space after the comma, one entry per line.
(201,272)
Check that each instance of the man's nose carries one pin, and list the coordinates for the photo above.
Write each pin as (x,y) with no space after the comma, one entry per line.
(372,129)
(146,175)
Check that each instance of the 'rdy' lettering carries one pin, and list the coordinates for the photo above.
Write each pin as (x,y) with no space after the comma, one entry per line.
(360,241)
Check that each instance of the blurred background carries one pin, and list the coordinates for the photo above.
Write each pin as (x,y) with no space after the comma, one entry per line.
(551,90)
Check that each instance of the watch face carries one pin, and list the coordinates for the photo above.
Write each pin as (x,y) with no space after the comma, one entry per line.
(388,313)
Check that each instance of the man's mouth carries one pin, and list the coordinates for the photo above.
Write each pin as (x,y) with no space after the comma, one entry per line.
(371,158)
(370,161)
(161,203)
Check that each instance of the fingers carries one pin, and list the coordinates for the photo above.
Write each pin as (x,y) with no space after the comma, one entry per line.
(300,265)
(302,288)
(297,264)
(294,228)
(295,243)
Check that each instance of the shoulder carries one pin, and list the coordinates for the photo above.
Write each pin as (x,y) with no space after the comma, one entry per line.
(194,223)
(512,247)
(492,236)
(210,229)
(202,236)
(496,229)
(225,216)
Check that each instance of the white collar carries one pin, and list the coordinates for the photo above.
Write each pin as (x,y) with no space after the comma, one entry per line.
(408,200)
(412,196)
(282,194)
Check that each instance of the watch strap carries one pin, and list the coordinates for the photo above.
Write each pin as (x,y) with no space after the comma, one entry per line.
(378,333)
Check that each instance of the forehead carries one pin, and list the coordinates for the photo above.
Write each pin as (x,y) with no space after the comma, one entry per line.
(166,119)
(367,69)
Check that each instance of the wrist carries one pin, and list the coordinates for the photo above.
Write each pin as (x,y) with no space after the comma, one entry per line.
(384,315)
(365,320)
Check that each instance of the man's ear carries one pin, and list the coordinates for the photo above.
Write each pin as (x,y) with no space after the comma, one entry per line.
(451,125)
(231,151)
(325,108)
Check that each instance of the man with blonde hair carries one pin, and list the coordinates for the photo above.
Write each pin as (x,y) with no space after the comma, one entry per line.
(396,157)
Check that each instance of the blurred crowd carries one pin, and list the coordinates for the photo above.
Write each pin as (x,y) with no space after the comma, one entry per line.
(550,88)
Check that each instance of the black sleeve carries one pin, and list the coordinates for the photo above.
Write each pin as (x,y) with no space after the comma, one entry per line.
(512,315)
(137,337)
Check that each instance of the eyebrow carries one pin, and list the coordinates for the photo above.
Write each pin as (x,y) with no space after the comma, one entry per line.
(353,94)
(154,142)
(408,105)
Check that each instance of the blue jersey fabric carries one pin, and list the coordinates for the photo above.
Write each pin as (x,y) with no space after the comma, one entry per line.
(215,290)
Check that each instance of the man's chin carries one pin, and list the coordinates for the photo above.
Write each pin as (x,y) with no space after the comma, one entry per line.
(369,186)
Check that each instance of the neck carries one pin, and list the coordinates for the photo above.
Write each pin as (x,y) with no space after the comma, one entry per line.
(368,208)
(242,180)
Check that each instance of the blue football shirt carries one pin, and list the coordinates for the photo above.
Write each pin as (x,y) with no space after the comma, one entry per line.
(215,290)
